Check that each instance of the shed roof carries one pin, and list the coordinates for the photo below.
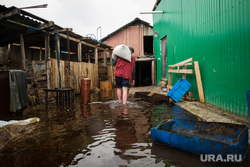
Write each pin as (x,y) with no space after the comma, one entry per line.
(136,21)
(15,21)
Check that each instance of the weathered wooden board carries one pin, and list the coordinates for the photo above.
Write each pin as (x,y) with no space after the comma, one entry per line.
(199,83)
(77,69)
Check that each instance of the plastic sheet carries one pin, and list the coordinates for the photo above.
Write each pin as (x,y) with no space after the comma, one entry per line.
(20,122)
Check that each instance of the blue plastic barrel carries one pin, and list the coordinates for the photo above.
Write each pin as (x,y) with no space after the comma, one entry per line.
(248,102)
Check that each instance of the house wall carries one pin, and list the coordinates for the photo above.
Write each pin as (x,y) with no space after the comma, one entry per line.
(216,34)
(131,36)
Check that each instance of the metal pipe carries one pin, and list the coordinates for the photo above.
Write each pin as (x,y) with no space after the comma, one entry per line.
(37,6)
(153,12)
(100,32)
(24,25)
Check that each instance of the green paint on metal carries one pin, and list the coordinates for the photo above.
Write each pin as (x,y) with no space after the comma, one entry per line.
(214,33)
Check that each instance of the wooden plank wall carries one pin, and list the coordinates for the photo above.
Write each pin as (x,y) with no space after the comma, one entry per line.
(77,68)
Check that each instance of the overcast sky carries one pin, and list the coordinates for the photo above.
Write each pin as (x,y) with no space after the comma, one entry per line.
(85,16)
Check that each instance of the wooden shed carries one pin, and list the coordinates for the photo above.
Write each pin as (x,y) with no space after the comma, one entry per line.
(49,53)
(139,35)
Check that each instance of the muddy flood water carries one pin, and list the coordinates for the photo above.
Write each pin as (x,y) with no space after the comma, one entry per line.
(102,133)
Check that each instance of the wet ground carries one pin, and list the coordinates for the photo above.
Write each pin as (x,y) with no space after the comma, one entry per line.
(102,133)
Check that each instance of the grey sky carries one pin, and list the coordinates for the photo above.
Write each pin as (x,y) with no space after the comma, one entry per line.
(85,16)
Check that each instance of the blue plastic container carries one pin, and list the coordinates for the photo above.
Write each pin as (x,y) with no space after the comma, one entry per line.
(179,89)
(202,137)
(248,102)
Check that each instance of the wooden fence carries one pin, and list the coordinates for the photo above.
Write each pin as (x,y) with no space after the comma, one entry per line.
(74,79)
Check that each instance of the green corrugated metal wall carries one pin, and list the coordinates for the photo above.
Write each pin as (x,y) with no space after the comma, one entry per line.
(216,33)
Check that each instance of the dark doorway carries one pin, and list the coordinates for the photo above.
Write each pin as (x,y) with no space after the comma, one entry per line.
(148,45)
(143,74)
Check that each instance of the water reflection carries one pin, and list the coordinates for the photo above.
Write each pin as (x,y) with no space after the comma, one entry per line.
(86,111)
(102,133)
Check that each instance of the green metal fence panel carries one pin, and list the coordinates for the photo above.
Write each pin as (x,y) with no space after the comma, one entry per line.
(217,35)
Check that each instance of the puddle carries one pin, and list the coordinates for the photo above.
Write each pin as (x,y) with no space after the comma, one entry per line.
(102,133)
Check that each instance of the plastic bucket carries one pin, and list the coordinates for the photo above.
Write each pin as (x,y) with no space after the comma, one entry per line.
(248,102)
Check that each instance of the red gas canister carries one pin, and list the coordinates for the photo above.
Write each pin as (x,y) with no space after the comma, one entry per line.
(85,90)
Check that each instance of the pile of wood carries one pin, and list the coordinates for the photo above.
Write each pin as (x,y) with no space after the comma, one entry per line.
(185,71)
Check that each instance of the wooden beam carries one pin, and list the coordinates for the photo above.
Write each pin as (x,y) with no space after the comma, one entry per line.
(169,79)
(96,75)
(111,67)
(184,75)
(77,40)
(79,52)
(65,29)
(182,63)
(10,13)
(111,60)
(47,58)
(59,48)
(186,71)
(46,25)
(96,56)
(188,64)
(105,57)
(40,54)
(88,57)
(85,38)
(23,56)
(199,83)
(47,47)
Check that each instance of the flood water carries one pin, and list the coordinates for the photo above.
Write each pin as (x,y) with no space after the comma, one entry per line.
(103,133)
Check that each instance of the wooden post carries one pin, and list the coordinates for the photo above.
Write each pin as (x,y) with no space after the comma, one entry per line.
(40,55)
(199,83)
(79,52)
(22,52)
(34,71)
(47,58)
(96,68)
(184,75)
(111,60)
(105,57)
(58,45)
(111,66)
(58,65)
(88,57)
(96,56)
(169,86)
